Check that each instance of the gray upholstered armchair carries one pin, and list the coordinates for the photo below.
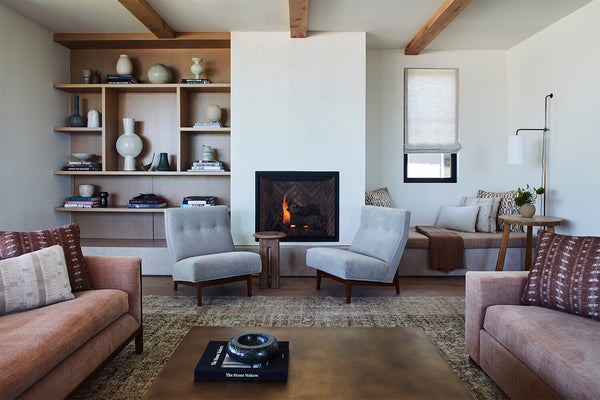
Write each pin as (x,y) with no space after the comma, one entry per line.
(201,248)
(374,255)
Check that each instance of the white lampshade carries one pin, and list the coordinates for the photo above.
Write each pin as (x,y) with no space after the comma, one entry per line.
(516,149)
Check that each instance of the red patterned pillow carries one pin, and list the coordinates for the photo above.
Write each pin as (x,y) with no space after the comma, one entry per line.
(565,274)
(14,244)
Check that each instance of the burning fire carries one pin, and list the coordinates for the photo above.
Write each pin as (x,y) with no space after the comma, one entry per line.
(286,213)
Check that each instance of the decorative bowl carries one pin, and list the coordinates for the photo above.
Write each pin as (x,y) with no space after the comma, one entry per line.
(84,156)
(252,347)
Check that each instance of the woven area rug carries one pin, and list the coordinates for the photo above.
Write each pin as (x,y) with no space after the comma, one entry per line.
(168,319)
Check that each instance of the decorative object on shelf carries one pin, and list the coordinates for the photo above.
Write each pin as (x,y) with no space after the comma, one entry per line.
(526,198)
(163,163)
(83,156)
(76,120)
(86,190)
(129,145)
(146,167)
(207,153)
(196,68)
(213,113)
(516,148)
(124,66)
(159,73)
(86,74)
(93,119)
(103,199)
(252,347)
(95,78)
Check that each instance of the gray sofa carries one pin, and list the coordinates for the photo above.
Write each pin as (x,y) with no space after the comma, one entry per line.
(530,352)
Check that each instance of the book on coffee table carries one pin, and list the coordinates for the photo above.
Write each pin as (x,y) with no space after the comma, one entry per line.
(216,365)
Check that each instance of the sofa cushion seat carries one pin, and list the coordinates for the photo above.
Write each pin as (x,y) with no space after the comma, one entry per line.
(562,349)
(35,341)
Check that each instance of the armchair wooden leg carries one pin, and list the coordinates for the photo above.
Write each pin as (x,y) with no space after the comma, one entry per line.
(318,280)
(199,293)
(348,292)
(249,282)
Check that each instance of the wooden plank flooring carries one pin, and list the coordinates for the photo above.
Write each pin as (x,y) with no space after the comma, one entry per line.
(305,287)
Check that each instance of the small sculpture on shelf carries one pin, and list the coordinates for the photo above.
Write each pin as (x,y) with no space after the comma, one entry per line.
(129,145)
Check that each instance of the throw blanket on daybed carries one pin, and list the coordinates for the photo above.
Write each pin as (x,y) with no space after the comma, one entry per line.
(446,248)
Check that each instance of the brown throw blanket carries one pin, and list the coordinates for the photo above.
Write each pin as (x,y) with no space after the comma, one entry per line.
(446,248)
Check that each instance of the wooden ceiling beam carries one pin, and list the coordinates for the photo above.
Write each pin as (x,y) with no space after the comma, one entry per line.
(436,24)
(298,18)
(150,18)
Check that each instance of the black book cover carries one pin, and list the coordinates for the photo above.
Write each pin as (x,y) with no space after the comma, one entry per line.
(216,365)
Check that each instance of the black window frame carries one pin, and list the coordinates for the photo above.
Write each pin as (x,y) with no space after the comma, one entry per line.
(451,179)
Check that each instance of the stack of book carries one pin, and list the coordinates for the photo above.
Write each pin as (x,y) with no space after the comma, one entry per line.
(120,79)
(196,81)
(147,201)
(207,166)
(82,202)
(198,201)
(213,124)
(82,166)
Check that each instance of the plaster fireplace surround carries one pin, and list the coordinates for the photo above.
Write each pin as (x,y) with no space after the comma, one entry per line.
(302,204)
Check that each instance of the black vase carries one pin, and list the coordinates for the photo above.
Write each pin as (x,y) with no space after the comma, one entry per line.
(76,120)
(163,163)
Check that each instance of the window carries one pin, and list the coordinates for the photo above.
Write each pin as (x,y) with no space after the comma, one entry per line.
(430,125)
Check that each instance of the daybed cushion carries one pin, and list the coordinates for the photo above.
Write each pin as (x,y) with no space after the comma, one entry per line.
(565,274)
(562,349)
(34,280)
(14,244)
(35,341)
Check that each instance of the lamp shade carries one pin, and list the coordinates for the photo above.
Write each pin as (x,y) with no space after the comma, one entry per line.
(516,149)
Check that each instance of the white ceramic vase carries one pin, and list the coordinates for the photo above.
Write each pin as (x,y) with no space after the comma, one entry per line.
(129,145)
(196,68)
(124,66)
(527,210)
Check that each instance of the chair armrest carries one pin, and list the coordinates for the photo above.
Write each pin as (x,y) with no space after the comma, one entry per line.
(124,273)
(484,289)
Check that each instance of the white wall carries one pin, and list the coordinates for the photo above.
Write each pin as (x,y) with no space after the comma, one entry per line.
(298,104)
(482,128)
(30,62)
(563,59)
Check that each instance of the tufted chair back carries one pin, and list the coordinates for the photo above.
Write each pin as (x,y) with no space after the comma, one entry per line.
(197,231)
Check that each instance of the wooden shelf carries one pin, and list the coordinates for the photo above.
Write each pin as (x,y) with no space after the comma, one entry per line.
(205,129)
(113,209)
(142,173)
(75,130)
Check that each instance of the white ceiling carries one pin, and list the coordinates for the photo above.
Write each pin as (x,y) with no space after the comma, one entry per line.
(484,25)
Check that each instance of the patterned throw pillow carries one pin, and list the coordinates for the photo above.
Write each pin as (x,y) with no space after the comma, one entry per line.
(34,280)
(507,206)
(380,197)
(488,211)
(565,274)
(14,244)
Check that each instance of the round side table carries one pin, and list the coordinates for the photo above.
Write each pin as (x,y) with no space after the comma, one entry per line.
(269,241)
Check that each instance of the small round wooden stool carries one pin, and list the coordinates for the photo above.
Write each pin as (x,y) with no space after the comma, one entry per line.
(269,240)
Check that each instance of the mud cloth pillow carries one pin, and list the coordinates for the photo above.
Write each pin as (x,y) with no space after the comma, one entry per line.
(380,197)
(14,244)
(565,275)
(34,280)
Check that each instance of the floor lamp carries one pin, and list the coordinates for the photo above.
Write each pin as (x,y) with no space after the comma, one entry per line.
(516,149)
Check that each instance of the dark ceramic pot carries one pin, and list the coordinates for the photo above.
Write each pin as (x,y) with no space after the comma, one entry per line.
(252,347)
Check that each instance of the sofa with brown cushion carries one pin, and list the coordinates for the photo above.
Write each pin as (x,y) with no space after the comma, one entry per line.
(52,351)
(531,352)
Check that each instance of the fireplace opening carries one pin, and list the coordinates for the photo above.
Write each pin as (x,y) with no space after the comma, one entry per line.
(302,204)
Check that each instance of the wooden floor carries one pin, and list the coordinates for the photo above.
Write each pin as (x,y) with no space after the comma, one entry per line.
(305,287)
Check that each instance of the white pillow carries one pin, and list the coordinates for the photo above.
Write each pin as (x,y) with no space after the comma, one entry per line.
(458,218)
(33,280)
(488,212)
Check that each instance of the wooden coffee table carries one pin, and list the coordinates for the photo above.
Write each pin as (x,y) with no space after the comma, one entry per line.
(325,363)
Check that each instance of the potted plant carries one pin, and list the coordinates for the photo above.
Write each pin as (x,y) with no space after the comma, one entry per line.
(526,198)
